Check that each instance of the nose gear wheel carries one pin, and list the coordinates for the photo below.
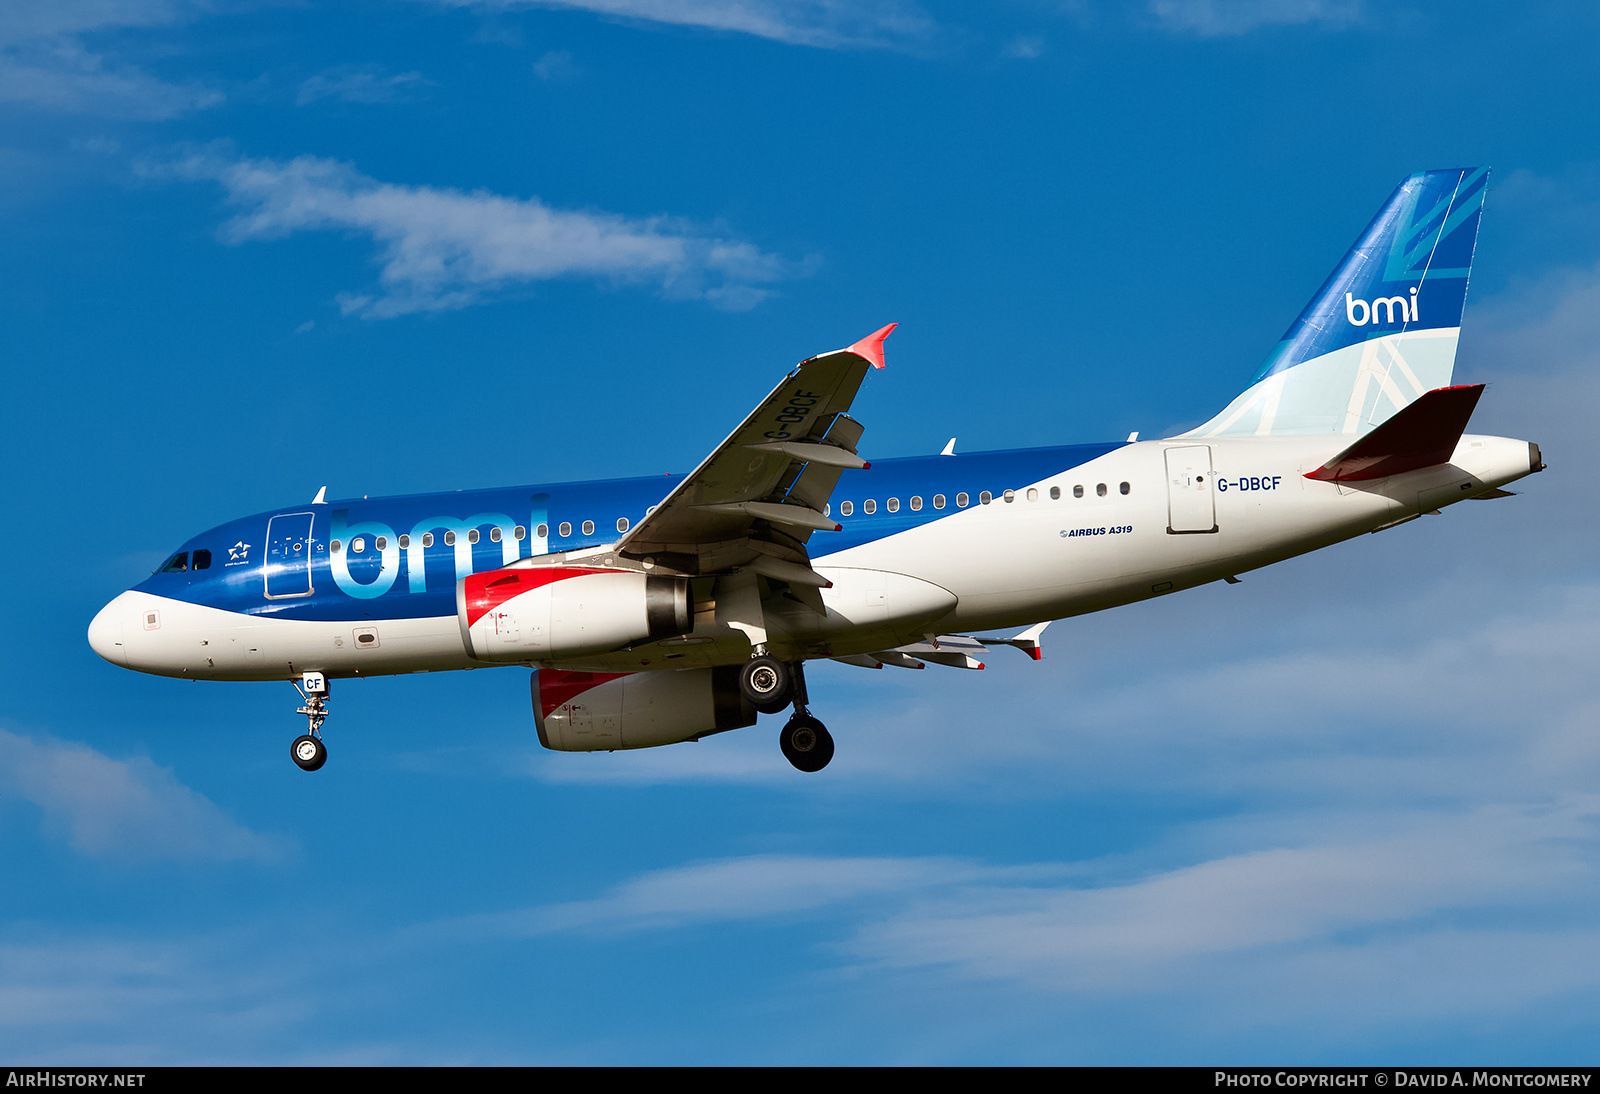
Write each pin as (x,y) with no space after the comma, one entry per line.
(308,751)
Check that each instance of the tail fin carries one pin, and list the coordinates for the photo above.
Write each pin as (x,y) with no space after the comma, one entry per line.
(1382,329)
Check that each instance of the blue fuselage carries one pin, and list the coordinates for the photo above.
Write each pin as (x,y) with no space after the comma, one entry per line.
(400,557)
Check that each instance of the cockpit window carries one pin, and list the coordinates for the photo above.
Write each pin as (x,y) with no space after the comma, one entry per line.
(202,560)
(177,564)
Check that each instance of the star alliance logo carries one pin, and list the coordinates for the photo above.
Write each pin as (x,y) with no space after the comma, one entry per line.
(239,552)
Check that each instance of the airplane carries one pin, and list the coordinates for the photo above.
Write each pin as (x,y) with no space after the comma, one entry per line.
(665,609)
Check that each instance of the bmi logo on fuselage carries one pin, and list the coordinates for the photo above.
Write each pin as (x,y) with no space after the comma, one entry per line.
(1394,309)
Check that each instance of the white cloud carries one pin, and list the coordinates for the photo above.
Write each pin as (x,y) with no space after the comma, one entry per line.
(128,810)
(1396,903)
(1131,936)
(1220,18)
(441,249)
(1025,47)
(753,887)
(64,77)
(43,63)
(556,66)
(829,24)
(360,84)
(28,22)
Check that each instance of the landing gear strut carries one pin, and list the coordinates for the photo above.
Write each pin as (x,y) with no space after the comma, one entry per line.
(308,751)
(806,742)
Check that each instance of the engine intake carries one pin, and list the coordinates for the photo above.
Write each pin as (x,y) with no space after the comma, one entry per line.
(542,613)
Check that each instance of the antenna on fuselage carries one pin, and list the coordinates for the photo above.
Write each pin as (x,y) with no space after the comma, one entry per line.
(949,449)
(321,498)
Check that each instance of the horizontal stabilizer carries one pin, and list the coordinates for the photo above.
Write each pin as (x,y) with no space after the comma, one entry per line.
(1423,434)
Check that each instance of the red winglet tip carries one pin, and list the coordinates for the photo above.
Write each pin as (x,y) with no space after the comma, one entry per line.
(838,528)
(1036,653)
(866,464)
(871,347)
(980,664)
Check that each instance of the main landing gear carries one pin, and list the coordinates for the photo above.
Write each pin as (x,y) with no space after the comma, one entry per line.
(806,742)
(770,685)
(308,751)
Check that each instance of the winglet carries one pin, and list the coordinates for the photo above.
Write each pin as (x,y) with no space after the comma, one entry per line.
(1028,641)
(871,347)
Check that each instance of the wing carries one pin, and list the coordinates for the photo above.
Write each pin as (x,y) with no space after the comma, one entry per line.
(754,502)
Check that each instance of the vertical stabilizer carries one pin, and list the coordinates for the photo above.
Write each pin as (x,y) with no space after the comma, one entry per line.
(1382,329)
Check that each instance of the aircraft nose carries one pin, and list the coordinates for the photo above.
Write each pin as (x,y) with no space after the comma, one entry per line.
(105,632)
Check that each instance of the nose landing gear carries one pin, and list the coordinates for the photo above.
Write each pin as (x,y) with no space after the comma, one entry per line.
(308,751)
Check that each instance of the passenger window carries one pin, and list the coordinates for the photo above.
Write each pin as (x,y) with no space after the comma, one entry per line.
(1100,490)
(588,527)
(938,501)
(358,545)
(472,535)
(869,506)
(202,560)
(1055,493)
(622,524)
(916,505)
(985,498)
(1010,496)
(381,543)
(1033,495)
(427,539)
(1126,488)
(336,546)
(405,542)
(894,505)
(961,501)
(543,531)
(449,539)
(495,534)
(1077,491)
(519,533)
(846,508)
(565,529)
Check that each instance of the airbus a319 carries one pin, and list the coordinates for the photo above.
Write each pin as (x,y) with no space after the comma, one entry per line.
(658,610)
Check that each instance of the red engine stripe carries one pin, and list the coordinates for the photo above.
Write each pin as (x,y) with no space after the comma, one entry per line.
(492,588)
(557,686)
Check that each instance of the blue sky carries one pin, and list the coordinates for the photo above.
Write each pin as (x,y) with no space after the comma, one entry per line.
(1343,812)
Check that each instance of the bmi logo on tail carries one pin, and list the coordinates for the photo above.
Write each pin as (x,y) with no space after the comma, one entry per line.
(1391,305)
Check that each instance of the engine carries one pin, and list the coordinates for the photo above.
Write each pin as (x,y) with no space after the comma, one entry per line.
(541,613)
(595,711)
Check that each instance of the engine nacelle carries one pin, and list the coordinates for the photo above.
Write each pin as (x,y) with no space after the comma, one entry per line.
(600,711)
(541,613)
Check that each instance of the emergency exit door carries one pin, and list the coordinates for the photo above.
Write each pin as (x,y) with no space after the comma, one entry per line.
(1191,506)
